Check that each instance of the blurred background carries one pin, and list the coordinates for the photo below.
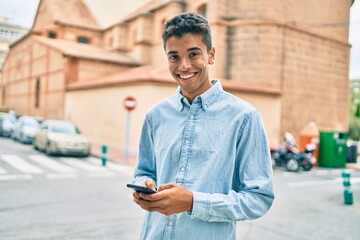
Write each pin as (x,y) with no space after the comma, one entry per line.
(297,63)
(87,72)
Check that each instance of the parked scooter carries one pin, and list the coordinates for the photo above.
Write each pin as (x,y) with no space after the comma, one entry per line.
(289,156)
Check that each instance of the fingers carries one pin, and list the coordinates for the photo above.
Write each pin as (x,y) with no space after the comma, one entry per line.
(146,205)
(159,195)
(166,186)
(150,184)
(151,197)
(156,206)
(136,195)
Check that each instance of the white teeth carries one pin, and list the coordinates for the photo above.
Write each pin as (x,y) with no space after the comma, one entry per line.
(187,75)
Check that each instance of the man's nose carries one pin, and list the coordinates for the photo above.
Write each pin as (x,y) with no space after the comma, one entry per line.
(185,64)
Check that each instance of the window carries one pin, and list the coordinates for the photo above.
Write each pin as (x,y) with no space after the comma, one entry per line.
(37,93)
(202,10)
(83,40)
(52,35)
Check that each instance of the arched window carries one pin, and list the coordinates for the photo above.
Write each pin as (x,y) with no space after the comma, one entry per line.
(37,93)
(202,10)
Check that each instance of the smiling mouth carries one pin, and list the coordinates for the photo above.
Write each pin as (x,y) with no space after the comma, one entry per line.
(187,77)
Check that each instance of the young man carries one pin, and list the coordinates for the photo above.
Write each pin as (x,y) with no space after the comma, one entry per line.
(205,149)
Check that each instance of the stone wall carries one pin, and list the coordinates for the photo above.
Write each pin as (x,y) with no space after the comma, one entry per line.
(315,81)
(108,116)
(30,62)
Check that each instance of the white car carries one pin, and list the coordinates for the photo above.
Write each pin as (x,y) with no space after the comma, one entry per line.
(25,129)
(61,137)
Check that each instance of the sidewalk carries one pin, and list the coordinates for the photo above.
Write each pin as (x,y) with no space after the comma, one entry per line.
(113,154)
(117,155)
(354,166)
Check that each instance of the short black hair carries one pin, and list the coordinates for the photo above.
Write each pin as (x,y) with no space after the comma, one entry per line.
(187,23)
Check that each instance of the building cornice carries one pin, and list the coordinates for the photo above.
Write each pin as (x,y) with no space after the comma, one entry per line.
(159,75)
(288,25)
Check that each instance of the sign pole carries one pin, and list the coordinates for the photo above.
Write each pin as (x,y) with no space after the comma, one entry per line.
(127,139)
(129,104)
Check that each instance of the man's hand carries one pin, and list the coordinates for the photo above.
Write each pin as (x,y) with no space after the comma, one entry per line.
(149,183)
(171,198)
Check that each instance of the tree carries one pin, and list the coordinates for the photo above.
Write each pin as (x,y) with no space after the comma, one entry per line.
(354,127)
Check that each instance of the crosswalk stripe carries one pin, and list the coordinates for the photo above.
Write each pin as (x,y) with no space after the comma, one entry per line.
(21,164)
(63,168)
(83,165)
(51,164)
(15,177)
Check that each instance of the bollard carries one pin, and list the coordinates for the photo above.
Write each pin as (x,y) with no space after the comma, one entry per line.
(103,154)
(348,195)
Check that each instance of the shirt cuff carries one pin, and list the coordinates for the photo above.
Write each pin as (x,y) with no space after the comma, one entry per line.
(201,206)
(139,180)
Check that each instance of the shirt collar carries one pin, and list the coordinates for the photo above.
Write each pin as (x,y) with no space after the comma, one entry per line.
(207,98)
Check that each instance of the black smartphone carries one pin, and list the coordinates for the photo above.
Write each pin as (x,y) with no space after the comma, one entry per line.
(141,189)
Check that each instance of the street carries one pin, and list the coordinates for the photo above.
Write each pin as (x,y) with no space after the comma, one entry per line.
(80,200)
(57,198)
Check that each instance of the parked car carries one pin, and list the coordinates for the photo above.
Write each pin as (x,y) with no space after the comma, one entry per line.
(7,124)
(25,129)
(61,137)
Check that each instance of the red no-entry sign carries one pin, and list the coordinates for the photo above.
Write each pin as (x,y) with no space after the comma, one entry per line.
(129,103)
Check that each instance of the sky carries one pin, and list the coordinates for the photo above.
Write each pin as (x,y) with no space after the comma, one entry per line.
(22,12)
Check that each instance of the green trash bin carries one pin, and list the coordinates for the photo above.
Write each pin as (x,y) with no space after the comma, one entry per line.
(333,149)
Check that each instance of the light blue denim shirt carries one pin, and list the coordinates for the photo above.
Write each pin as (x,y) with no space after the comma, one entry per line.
(215,147)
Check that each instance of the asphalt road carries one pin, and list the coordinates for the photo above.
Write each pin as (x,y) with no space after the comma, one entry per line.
(78,199)
(90,202)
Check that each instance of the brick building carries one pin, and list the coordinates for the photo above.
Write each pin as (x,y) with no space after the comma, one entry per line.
(288,58)
(9,33)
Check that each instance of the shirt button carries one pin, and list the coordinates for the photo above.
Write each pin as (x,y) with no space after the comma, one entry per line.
(205,106)
(187,141)
(170,223)
(182,169)
(191,116)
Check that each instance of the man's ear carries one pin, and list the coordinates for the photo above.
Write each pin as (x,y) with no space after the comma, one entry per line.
(211,56)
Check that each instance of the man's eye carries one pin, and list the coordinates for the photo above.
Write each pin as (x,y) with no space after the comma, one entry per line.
(173,58)
(193,54)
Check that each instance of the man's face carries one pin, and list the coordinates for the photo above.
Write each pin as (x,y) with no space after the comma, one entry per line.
(188,63)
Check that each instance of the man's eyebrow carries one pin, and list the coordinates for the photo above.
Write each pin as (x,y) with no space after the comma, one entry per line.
(189,50)
(193,48)
(172,52)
